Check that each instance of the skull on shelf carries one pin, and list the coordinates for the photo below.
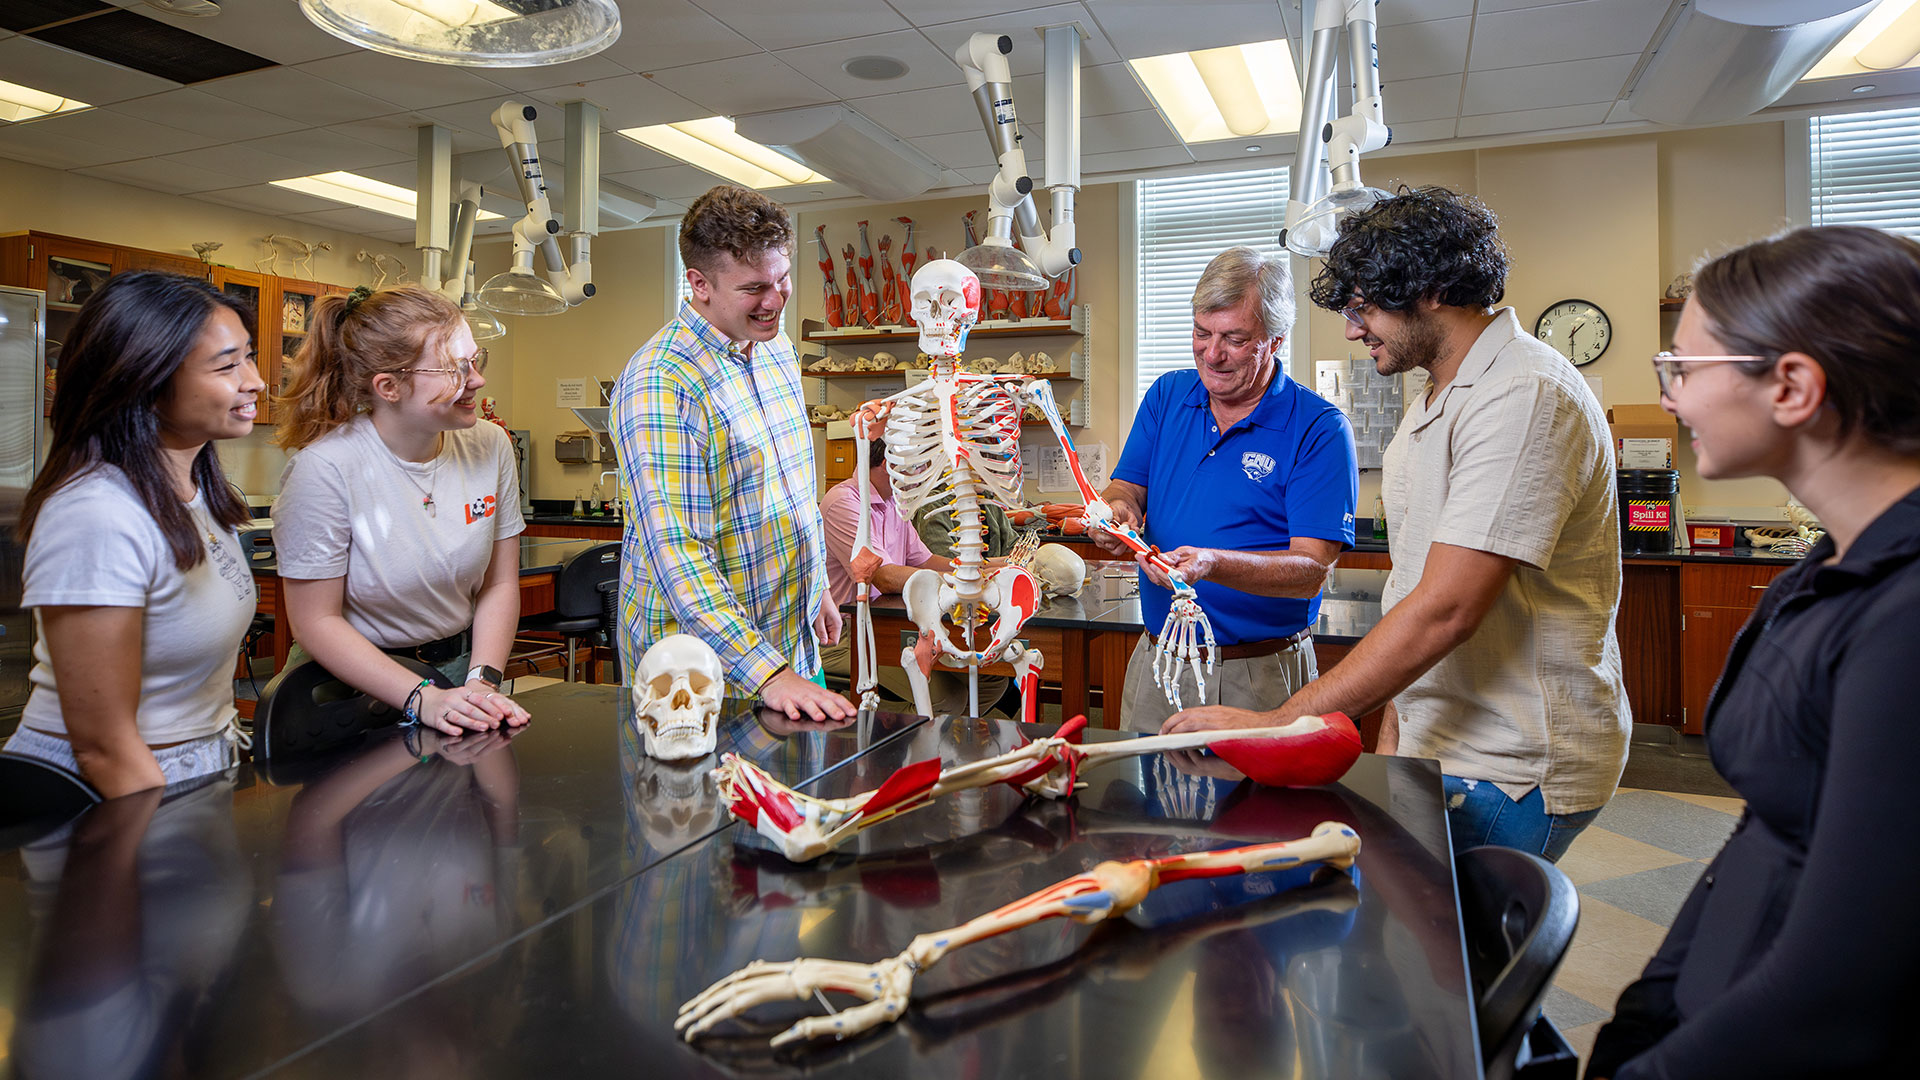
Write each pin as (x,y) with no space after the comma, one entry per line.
(946,304)
(1061,570)
(677,698)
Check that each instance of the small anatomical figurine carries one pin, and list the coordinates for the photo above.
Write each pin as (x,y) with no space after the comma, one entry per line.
(855,303)
(1109,889)
(1311,751)
(869,295)
(891,309)
(907,258)
(676,698)
(1059,298)
(836,314)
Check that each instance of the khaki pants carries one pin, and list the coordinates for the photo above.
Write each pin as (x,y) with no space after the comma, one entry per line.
(1259,682)
(946,690)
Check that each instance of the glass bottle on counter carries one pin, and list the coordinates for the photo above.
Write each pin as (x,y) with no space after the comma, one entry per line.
(594,507)
(1379,518)
(579,504)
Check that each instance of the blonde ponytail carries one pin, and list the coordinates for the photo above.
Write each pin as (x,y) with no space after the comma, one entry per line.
(354,338)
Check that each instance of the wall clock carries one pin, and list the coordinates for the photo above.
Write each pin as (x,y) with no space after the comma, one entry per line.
(1576,329)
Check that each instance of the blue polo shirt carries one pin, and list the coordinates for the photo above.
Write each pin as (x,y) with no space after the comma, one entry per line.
(1286,470)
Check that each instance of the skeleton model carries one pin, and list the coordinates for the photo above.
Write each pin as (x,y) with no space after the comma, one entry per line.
(1310,751)
(380,259)
(956,438)
(302,260)
(1107,890)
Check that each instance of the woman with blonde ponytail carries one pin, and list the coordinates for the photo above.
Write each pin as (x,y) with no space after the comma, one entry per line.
(398,523)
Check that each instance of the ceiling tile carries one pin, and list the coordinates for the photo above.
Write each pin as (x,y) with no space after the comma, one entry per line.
(240,165)
(1423,131)
(625,101)
(298,96)
(1411,11)
(1424,49)
(1490,6)
(932,12)
(1547,85)
(325,151)
(1564,32)
(398,132)
(160,174)
(597,66)
(674,181)
(69,74)
(1122,131)
(276,31)
(1029,56)
(127,136)
(1568,116)
(38,145)
(927,66)
(205,114)
(667,33)
(1141,28)
(477,117)
(1134,161)
(408,84)
(1422,99)
(1104,88)
(621,154)
(355,220)
(266,199)
(1235,150)
(969,149)
(774,26)
(738,87)
(913,113)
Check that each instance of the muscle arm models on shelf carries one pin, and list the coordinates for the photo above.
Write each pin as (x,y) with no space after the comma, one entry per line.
(1109,889)
(869,293)
(1310,751)
(908,257)
(855,305)
(892,305)
(956,438)
(836,314)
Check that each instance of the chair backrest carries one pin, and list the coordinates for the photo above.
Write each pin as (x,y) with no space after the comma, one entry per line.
(37,797)
(1519,913)
(577,591)
(306,711)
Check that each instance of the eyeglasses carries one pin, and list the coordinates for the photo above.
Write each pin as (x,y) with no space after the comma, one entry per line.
(464,368)
(1672,373)
(1352,313)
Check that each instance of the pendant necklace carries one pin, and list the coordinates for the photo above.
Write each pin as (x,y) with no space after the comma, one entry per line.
(426,490)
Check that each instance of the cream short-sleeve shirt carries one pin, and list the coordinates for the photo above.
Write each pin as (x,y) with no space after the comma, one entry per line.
(1514,458)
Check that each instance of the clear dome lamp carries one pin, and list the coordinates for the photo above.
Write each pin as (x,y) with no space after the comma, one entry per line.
(473,33)
(1000,265)
(518,292)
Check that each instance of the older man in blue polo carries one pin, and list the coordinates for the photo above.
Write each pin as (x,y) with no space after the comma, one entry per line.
(1246,481)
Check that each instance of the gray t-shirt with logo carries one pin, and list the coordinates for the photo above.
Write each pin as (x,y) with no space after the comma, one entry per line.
(348,507)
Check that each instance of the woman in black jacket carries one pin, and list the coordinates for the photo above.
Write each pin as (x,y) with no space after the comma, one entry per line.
(1799,358)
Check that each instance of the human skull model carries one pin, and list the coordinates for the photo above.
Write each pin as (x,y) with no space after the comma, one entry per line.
(676,703)
(946,304)
(1061,570)
(678,803)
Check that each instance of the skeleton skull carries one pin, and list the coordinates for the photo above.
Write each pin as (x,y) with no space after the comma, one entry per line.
(1061,570)
(946,304)
(677,699)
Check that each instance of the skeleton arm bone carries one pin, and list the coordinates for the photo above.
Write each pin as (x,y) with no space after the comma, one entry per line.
(1107,890)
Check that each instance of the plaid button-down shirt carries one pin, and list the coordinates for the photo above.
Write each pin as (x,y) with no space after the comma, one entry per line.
(725,538)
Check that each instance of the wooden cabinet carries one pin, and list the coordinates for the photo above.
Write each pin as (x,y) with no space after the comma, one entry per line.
(1649,641)
(68,271)
(838,461)
(1715,601)
(292,319)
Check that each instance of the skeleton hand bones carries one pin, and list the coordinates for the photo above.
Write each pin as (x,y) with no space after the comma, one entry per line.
(1107,890)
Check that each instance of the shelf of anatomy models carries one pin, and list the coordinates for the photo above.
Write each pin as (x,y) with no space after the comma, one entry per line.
(832,355)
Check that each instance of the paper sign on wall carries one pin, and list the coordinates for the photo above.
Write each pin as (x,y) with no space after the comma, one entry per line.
(573,394)
(1054,475)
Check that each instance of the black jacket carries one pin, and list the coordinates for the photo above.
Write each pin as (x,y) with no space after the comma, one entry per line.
(1798,953)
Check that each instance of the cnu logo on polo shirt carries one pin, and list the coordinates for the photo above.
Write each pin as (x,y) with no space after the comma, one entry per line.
(1256,465)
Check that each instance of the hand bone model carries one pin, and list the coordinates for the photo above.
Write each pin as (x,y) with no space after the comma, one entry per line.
(956,438)
(1107,890)
(1310,751)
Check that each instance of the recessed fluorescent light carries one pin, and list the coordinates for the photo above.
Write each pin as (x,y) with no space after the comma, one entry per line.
(1885,40)
(363,192)
(1225,93)
(19,103)
(714,146)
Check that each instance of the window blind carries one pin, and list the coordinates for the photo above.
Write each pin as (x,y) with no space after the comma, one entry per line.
(1866,170)
(1183,223)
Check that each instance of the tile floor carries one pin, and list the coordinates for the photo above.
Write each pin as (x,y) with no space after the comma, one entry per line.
(1633,866)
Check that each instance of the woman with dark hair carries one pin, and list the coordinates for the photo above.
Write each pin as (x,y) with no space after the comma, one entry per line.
(1799,358)
(133,565)
(398,522)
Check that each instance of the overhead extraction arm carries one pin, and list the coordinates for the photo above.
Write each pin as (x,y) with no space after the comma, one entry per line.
(1326,162)
(539,229)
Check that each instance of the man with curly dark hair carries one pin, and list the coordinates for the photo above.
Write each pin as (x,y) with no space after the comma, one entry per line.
(725,541)
(1497,652)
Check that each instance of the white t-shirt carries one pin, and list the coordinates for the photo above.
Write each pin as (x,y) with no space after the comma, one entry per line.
(95,545)
(348,507)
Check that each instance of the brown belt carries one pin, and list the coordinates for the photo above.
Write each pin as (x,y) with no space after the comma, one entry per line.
(1247,650)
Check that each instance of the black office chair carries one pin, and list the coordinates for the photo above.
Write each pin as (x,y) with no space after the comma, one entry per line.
(1519,913)
(37,797)
(305,711)
(585,598)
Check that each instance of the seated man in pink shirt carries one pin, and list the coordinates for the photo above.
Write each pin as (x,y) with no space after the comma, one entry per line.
(901,553)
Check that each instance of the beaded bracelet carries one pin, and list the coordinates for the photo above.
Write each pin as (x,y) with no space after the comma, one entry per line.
(412,707)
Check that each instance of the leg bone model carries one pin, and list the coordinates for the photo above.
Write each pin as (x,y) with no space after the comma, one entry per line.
(955,439)
(1107,890)
(1309,751)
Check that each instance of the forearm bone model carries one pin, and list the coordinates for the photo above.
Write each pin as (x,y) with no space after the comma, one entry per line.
(1107,890)
(956,438)
(1310,751)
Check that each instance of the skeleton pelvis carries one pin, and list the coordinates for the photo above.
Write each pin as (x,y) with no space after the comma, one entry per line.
(937,604)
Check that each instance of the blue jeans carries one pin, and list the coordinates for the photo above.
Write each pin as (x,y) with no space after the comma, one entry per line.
(1480,813)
